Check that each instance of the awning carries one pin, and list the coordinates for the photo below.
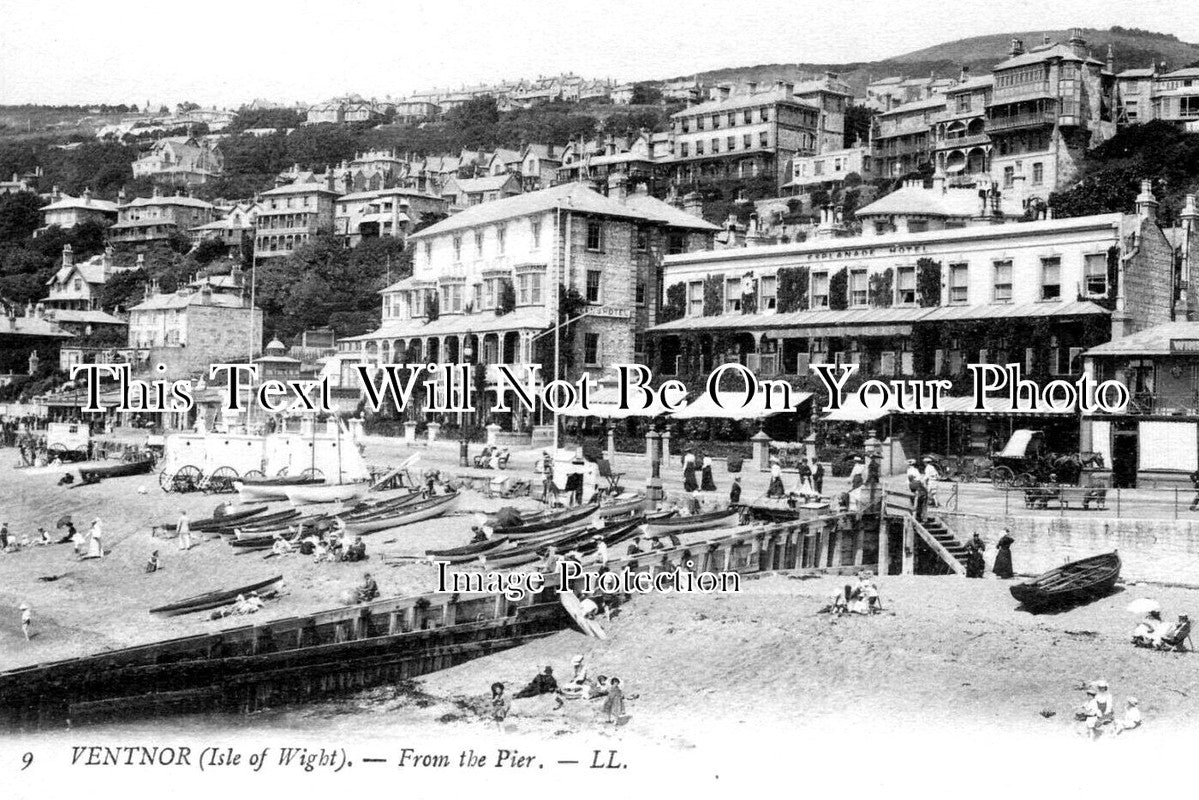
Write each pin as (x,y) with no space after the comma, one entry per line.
(1017,446)
(732,405)
(896,329)
(852,410)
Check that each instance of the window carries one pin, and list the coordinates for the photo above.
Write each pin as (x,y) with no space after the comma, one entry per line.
(699,147)
(642,242)
(78,284)
(1009,177)
(959,275)
(1038,173)
(820,290)
(732,143)
(501,239)
(732,118)
(454,297)
(859,294)
(457,249)
(699,123)
(535,230)
(593,286)
(732,295)
(591,349)
(478,244)
(489,293)
(715,145)
(695,299)
(684,149)
(535,288)
(905,286)
(595,235)
(1003,281)
(1095,274)
(1051,278)
(764,139)
(748,116)
(768,293)
(963,103)
(817,167)
(428,252)
(917,226)
(765,115)
(747,141)
(675,244)
(639,293)
(715,121)
(522,289)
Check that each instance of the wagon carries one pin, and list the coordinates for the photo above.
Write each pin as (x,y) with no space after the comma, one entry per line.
(68,441)
(1025,462)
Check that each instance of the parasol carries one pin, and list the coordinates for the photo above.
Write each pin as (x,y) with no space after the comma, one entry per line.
(1144,605)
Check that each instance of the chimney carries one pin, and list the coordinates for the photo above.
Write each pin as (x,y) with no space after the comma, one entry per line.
(329,179)
(964,75)
(939,182)
(55,195)
(1077,43)
(87,196)
(693,203)
(752,86)
(1190,215)
(141,262)
(1017,48)
(68,257)
(1111,58)
(121,196)
(618,187)
(1146,202)
(787,88)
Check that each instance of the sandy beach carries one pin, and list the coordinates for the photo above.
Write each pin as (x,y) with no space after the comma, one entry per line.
(947,654)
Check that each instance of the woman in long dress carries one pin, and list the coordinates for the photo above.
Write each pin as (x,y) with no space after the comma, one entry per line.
(707,484)
(95,542)
(689,483)
(775,489)
(1003,557)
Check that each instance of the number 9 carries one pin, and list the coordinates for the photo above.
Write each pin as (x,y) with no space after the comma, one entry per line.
(26,760)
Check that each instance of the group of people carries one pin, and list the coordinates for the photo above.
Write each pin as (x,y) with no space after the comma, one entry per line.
(856,598)
(923,478)
(579,686)
(809,482)
(331,545)
(1153,632)
(1098,713)
(976,562)
(705,483)
(10,543)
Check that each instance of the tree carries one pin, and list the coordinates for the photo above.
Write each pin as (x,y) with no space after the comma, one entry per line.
(858,120)
(20,216)
(124,289)
(645,94)
(209,250)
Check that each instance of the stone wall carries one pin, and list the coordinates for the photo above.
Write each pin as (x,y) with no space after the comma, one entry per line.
(1149,278)
(1160,550)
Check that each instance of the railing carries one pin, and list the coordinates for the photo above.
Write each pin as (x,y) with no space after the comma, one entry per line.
(950,142)
(1028,120)
(1180,404)
(1165,503)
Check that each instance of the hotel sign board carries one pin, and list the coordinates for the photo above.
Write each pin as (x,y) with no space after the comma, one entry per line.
(1184,345)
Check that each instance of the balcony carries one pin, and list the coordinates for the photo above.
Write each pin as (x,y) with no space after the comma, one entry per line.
(963,142)
(1174,404)
(1031,119)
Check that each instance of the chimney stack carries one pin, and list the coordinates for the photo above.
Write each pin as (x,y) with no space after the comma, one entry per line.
(68,256)
(752,86)
(693,203)
(1146,202)
(618,187)
(1077,43)
(1017,48)
(1190,214)
(964,75)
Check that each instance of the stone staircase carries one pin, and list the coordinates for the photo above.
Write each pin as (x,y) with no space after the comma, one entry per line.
(945,538)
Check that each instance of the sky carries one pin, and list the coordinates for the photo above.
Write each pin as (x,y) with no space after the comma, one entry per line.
(227,53)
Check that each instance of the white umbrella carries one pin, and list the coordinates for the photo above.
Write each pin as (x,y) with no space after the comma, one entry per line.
(1144,605)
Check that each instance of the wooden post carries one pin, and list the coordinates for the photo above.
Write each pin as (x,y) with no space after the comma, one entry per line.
(859,538)
(909,547)
(822,546)
(838,544)
(884,540)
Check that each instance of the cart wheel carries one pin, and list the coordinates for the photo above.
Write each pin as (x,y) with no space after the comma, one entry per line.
(1002,476)
(281,473)
(221,481)
(256,474)
(166,481)
(313,473)
(1024,480)
(187,479)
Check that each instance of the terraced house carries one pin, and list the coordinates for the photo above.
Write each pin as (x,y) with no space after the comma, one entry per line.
(488,282)
(289,215)
(926,300)
(144,220)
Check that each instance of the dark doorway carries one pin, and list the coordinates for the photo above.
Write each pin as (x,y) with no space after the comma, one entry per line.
(1124,459)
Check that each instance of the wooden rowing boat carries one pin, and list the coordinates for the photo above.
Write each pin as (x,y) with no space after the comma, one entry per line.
(325,493)
(623,505)
(93,474)
(368,519)
(1070,584)
(212,599)
(271,488)
(313,523)
(497,547)
(723,518)
(428,509)
(468,549)
(544,521)
(264,522)
(581,538)
(214,523)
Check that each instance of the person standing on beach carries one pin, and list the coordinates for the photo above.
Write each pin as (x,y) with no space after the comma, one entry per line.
(614,702)
(185,531)
(976,565)
(95,545)
(775,489)
(500,705)
(3,537)
(707,484)
(817,476)
(1003,557)
(689,482)
(26,620)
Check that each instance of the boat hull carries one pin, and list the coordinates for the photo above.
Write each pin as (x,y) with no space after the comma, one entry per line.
(698,522)
(209,600)
(324,493)
(1070,584)
(116,470)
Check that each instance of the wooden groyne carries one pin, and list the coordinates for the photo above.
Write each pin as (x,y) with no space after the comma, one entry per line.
(303,658)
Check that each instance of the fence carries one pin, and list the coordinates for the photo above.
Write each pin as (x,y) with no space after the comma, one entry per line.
(1176,503)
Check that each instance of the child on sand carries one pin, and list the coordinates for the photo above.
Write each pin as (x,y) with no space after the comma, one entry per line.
(614,704)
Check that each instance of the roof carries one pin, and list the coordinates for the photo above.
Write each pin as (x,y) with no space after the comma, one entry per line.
(1154,341)
(1043,53)
(480,322)
(69,315)
(1142,72)
(375,194)
(737,101)
(578,197)
(489,183)
(937,101)
(895,320)
(161,302)
(657,209)
(168,200)
(977,82)
(299,188)
(66,201)
(1185,72)
(91,271)
(952,202)
(32,326)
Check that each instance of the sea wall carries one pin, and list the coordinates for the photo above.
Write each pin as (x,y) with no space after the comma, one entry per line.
(1151,549)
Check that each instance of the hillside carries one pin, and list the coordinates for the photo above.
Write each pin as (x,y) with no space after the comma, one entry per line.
(1132,49)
